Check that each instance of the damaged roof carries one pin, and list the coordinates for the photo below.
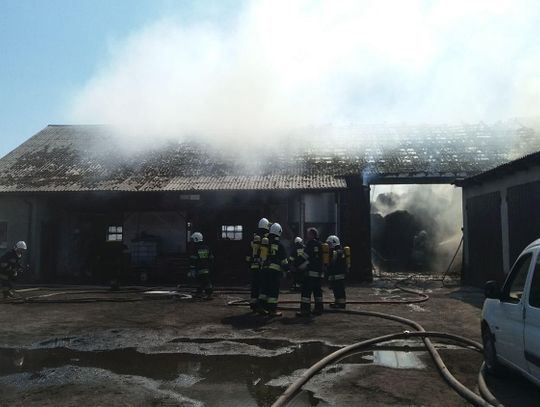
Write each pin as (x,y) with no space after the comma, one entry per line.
(86,158)
(521,164)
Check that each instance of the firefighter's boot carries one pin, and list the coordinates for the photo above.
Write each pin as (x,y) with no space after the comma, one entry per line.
(318,309)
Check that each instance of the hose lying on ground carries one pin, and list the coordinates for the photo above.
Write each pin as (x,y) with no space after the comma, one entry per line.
(421,298)
(342,353)
(487,399)
(111,296)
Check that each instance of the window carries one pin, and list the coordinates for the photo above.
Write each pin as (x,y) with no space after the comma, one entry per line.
(534,295)
(3,235)
(231,232)
(514,287)
(114,234)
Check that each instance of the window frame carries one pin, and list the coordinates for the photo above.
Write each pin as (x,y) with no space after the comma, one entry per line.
(536,274)
(116,231)
(236,234)
(512,276)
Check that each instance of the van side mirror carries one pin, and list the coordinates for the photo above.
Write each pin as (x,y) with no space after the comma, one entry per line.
(492,290)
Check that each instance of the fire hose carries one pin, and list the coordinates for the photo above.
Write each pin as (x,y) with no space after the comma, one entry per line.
(421,298)
(486,398)
(48,298)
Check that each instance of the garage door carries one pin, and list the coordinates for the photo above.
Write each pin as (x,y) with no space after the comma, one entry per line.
(523,218)
(484,239)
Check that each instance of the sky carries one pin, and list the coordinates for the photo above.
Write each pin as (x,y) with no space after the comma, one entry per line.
(50,48)
(240,71)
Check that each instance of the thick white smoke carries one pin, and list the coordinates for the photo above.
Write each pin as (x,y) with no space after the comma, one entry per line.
(281,66)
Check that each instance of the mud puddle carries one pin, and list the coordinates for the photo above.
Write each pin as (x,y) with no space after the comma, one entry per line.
(247,372)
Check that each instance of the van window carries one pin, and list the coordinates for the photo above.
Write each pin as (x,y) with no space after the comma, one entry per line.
(534,295)
(513,289)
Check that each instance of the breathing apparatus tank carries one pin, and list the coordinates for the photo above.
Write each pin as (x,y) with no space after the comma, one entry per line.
(347,253)
(325,248)
(265,246)
(255,246)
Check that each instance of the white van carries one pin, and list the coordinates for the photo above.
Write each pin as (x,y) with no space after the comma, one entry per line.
(511,318)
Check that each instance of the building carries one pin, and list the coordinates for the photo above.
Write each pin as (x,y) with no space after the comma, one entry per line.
(500,209)
(87,211)
(88,208)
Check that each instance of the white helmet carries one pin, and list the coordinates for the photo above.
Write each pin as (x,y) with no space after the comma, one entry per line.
(264,224)
(275,229)
(21,245)
(333,241)
(298,240)
(197,237)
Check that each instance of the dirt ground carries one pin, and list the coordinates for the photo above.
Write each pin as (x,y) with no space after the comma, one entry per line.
(173,351)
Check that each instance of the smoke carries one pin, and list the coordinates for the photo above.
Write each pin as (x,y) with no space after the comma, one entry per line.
(401,212)
(276,69)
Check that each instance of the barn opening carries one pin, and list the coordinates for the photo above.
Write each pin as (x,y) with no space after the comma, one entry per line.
(416,228)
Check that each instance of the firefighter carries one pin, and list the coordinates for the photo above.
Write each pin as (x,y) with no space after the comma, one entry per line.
(200,262)
(313,275)
(254,261)
(338,268)
(296,259)
(274,265)
(10,266)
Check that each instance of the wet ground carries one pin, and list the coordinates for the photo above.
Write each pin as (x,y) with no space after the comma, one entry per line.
(213,372)
(174,351)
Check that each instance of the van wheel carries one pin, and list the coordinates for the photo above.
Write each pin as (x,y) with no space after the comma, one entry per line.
(493,366)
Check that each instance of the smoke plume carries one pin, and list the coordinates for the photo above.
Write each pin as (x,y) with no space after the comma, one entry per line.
(401,212)
(278,67)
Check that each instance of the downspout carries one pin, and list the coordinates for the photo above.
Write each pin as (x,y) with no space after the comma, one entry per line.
(29,239)
(302,215)
(336,213)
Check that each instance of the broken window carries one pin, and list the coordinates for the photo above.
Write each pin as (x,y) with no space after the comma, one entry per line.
(115,233)
(232,232)
(3,235)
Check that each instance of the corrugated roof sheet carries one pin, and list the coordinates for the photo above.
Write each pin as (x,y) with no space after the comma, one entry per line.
(522,163)
(85,158)
(76,158)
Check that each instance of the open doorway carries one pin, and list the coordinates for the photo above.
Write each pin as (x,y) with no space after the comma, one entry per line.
(416,229)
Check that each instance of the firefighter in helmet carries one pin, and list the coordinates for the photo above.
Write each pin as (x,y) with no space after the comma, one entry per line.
(274,264)
(313,275)
(338,268)
(296,259)
(10,267)
(254,261)
(200,263)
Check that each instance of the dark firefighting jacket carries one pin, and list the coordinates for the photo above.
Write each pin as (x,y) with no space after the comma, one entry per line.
(277,256)
(312,255)
(200,260)
(297,257)
(10,265)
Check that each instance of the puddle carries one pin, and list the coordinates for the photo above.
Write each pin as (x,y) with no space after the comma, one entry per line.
(249,372)
(389,358)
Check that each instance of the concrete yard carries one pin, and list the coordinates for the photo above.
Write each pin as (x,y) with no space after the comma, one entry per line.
(192,353)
